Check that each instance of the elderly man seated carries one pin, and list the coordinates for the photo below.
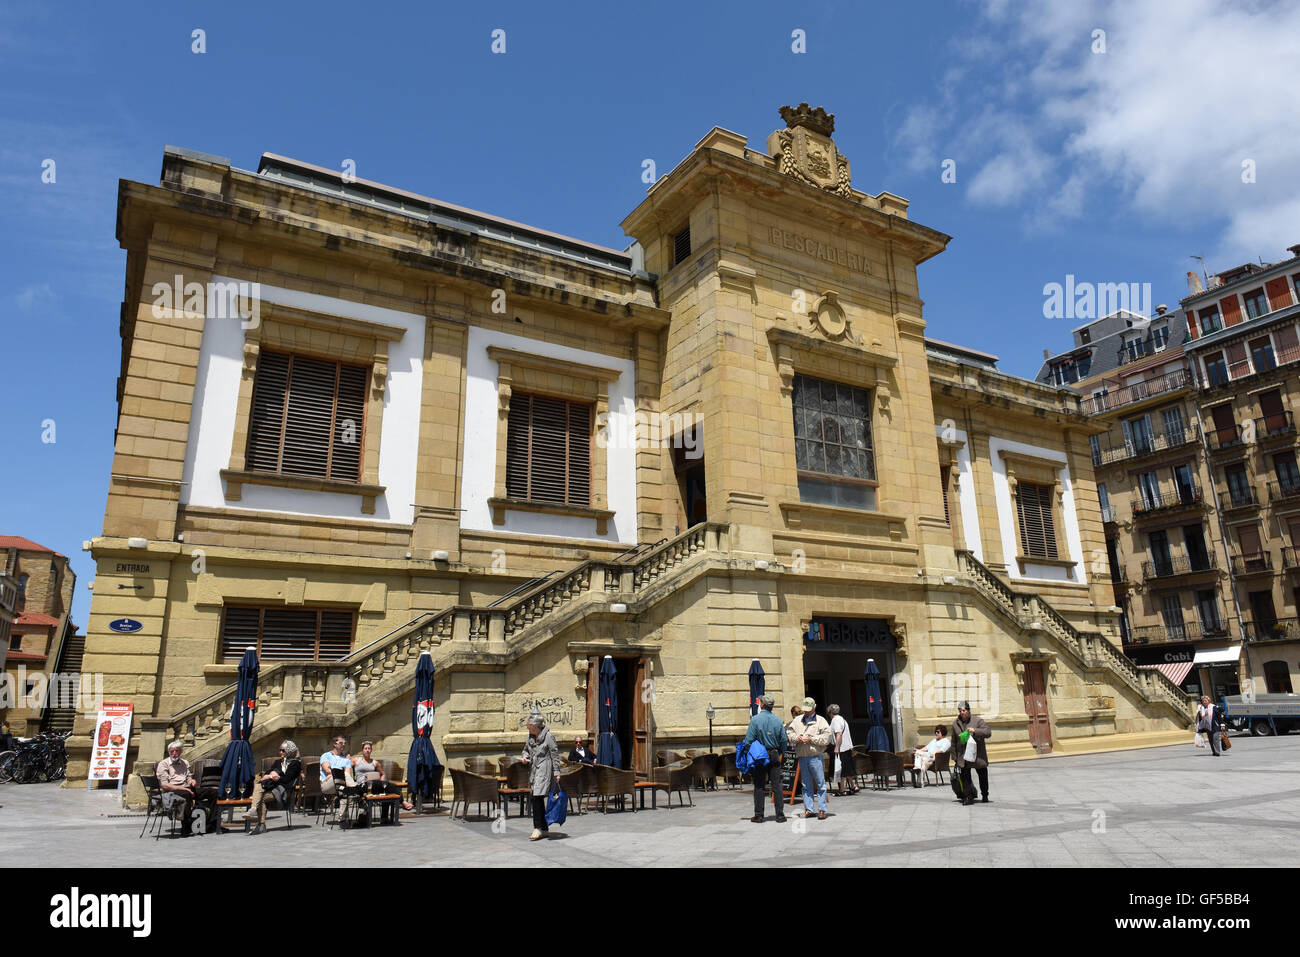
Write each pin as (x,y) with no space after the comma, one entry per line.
(581,753)
(179,786)
(923,758)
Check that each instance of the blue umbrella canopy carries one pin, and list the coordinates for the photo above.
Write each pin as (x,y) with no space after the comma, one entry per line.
(608,749)
(757,686)
(877,739)
(237,770)
(423,761)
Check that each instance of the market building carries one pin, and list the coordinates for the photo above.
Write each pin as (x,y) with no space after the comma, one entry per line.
(357,424)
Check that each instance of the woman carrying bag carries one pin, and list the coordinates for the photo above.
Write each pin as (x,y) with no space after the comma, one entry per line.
(543,757)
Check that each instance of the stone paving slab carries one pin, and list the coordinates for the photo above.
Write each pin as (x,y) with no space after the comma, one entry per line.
(1122,809)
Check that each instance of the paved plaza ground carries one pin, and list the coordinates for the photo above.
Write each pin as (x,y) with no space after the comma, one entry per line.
(1158,807)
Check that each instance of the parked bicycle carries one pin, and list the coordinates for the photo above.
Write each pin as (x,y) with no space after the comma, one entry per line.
(42,758)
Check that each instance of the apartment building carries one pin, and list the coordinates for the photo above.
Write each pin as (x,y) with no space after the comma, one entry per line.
(42,582)
(384,424)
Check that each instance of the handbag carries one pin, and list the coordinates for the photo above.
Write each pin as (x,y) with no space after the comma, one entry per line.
(1224,743)
(557,806)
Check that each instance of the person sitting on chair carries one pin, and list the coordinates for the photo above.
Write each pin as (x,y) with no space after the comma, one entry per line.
(367,769)
(923,758)
(178,784)
(581,754)
(337,757)
(278,783)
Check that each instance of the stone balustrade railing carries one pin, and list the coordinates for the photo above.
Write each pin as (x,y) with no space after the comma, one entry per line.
(320,686)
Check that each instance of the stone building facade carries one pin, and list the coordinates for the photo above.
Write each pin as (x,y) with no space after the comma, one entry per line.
(358,424)
(42,584)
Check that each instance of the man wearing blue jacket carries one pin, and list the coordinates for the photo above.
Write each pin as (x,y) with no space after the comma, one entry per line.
(767,729)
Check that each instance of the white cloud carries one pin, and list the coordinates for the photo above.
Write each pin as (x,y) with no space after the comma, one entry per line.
(1162,121)
(34,296)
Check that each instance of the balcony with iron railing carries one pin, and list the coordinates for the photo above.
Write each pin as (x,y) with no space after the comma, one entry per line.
(1276,629)
(1174,566)
(1251,365)
(1290,558)
(1259,563)
(1168,502)
(1161,385)
(1141,446)
(1237,496)
(1225,441)
(1108,514)
(1188,631)
(1285,489)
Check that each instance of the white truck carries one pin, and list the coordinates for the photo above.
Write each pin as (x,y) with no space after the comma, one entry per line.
(1263,714)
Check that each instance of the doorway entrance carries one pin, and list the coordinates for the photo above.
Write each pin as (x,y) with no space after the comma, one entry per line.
(836,651)
(688,463)
(633,714)
(1040,728)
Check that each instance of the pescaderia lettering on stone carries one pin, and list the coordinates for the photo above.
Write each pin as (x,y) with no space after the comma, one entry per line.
(827,252)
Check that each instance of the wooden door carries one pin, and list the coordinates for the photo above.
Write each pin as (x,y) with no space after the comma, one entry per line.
(642,702)
(1040,730)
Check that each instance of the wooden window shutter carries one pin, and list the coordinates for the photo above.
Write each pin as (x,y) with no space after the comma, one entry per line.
(266,419)
(1237,364)
(240,627)
(1224,423)
(307,417)
(1248,540)
(1037,526)
(548,450)
(1285,343)
(1278,292)
(1231,310)
(1192,331)
(288,634)
(681,245)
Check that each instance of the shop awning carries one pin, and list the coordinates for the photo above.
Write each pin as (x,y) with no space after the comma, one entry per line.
(1215,656)
(1175,672)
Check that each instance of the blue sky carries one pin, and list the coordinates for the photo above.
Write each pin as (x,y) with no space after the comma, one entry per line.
(1111,164)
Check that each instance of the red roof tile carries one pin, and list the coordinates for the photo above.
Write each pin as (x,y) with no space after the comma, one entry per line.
(25,544)
(24,656)
(34,618)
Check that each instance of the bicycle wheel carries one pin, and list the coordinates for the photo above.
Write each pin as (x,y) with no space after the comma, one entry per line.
(25,768)
(8,761)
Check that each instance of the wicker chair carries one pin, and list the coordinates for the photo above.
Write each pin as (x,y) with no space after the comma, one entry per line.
(663,758)
(573,783)
(481,766)
(505,764)
(676,777)
(705,767)
(471,788)
(863,768)
(939,768)
(728,770)
(518,784)
(614,783)
(885,765)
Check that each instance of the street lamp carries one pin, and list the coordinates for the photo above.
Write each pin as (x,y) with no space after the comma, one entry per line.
(709,713)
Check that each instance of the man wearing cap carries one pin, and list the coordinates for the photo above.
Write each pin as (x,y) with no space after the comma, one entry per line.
(770,733)
(811,735)
(981,733)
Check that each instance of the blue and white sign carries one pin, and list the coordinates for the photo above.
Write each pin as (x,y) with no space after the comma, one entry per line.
(125,625)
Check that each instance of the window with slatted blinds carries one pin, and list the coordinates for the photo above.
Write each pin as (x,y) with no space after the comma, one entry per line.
(681,245)
(307,417)
(548,450)
(1037,528)
(945,472)
(287,634)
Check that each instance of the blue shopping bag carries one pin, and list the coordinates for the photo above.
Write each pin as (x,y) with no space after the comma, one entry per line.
(557,806)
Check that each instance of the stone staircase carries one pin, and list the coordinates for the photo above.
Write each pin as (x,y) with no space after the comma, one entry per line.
(334,694)
(69,663)
(1092,650)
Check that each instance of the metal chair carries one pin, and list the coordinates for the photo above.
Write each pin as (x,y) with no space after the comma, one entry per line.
(153,811)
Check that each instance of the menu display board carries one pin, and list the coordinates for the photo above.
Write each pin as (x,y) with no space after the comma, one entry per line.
(111,738)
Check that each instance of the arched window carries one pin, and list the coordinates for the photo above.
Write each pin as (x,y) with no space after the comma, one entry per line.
(1277,677)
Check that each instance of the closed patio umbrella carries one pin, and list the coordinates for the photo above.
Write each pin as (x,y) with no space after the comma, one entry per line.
(877,739)
(237,770)
(757,686)
(422,762)
(608,750)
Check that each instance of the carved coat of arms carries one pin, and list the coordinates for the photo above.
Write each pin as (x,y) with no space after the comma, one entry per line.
(807,151)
